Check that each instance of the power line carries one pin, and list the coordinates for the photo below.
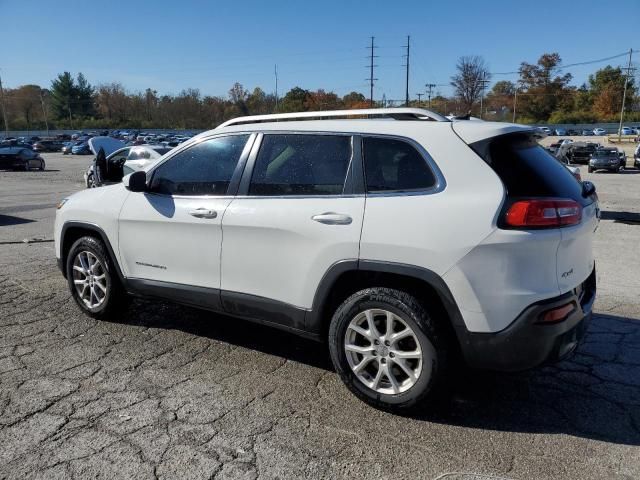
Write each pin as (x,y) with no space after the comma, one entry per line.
(562,67)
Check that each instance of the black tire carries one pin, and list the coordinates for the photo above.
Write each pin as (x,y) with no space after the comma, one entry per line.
(115,297)
(430,385)
(42,166)
(590,170)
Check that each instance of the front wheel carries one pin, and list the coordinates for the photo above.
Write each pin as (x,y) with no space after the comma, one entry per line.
(388,350)
(42,166)
(92,278)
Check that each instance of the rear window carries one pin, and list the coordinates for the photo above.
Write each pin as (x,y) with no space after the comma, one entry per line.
(527,170)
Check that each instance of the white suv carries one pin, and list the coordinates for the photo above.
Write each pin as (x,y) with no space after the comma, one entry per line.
(403,239)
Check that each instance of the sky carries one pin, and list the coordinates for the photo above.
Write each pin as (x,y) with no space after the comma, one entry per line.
(172,45)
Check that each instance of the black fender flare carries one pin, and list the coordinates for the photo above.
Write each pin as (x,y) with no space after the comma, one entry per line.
(95,229)
(314,322)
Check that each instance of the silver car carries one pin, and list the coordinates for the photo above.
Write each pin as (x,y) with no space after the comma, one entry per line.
(130,159)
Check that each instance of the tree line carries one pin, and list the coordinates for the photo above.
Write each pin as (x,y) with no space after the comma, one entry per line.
(542,94)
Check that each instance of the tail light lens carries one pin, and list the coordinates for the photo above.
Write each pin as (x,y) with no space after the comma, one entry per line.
(547,213)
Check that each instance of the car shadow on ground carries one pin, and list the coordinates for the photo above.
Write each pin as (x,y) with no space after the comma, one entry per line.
(630,218)
(6,220)
(594,394)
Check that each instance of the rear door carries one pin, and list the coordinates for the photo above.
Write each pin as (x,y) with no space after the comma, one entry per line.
(295,216)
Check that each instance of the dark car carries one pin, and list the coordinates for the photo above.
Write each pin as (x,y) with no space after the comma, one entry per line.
(47,146)
(81,148)
(20,158)
(581,152)
(587,133)
(605,159)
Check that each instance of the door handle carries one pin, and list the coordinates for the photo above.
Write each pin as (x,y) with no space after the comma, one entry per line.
(203,213)
(332,218)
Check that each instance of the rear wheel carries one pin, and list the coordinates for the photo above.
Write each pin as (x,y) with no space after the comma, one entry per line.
(388,350)
(42,165)
(92,278)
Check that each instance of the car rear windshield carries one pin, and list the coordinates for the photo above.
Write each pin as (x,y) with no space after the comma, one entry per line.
(527,170)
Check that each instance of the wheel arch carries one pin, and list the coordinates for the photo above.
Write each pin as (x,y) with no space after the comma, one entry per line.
(72,231)
(346,277)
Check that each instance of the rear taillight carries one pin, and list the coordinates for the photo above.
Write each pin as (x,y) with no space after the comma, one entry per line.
(547,213)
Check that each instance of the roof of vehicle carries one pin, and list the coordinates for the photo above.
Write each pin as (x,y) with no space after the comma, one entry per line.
(407,123)
(11,150)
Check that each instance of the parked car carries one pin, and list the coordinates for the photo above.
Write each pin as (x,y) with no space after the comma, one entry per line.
(20,158)
(636,157)
(81,148)
(577,152)
(380,238)
(66,148)
(48,146)
(626,131)
(587,133)
(545,130)
(122,162)
(560,131)
(599,131)
(605,159)
(573,132)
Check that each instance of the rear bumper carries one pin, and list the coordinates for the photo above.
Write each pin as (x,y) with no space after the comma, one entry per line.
(526,343)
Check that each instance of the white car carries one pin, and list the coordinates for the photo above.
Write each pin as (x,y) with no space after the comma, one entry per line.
(403,240)
(599,131)
(122,161)
(545,130)
(626,131)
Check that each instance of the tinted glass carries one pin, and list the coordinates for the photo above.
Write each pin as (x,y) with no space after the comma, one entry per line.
(527,170)
(301,165)
(203,169)
(394,165)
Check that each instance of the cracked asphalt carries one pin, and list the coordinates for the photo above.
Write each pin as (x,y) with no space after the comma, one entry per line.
(166,391)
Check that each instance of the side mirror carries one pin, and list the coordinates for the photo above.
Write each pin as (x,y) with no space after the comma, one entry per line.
(136,182)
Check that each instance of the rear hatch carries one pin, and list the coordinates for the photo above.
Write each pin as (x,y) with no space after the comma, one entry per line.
(530,174)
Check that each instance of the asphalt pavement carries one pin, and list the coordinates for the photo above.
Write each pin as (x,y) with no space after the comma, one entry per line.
(166,391)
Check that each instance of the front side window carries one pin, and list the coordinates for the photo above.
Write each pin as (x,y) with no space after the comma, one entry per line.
(301,165)
(202,169)
(393,165)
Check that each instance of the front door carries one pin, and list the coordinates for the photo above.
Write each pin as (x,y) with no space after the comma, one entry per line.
(172,232)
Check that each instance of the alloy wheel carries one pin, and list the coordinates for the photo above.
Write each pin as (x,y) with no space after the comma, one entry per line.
(89,279)
(383,351)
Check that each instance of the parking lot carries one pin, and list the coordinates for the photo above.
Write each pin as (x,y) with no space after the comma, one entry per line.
(167,391)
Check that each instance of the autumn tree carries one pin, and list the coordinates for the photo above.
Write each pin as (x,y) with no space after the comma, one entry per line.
(606,88)
(544,88)
(355,100)
(468,82)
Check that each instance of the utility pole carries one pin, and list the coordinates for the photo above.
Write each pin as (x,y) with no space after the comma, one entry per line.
(419,100)
(4,111)
(430,87)
(515,101)
(624,95)
(483,84)
(275,71)
(406,96)
(44,112)
(371,79)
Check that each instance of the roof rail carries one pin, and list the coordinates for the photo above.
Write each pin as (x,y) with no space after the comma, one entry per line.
(395,113)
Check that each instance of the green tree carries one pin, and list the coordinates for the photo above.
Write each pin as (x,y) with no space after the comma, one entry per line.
(354,99)
(84,97)
(63,91)
(294,100)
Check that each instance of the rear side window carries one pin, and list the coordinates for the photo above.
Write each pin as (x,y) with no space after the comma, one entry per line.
(392,165)
(527,170)
(301,165)
(202,169)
